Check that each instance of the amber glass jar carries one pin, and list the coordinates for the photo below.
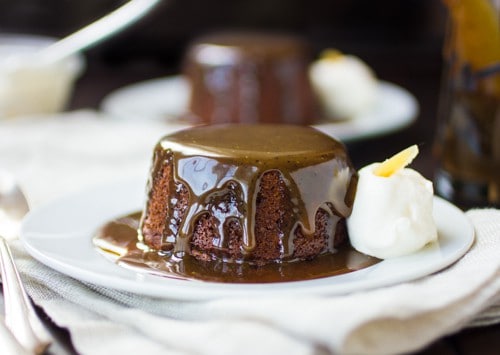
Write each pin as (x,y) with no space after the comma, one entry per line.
(468,137)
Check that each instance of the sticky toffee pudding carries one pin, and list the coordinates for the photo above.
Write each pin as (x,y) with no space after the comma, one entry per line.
(243,203)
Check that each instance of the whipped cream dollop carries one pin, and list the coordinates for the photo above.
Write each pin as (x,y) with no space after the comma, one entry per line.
(392,216)
(344,84)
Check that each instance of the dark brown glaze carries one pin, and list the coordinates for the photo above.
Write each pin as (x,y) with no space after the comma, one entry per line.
(118,238)
(249,77)
(253,193)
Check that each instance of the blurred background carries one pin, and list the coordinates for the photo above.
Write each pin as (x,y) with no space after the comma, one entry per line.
(400,40)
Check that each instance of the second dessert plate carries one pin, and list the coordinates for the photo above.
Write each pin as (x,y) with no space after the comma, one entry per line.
(60,236)
(166,99)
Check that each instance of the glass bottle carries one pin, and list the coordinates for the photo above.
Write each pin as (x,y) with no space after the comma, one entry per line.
(468,136)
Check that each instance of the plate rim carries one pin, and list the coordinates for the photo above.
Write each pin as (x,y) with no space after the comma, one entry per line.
(122,279)
(348,130)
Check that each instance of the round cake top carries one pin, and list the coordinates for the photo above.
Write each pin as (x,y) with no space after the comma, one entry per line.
(259,144)
(219,48)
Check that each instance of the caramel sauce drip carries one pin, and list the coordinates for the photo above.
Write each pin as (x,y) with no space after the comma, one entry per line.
(117,239)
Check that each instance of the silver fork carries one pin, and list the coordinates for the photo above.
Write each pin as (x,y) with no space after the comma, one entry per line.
(20,316)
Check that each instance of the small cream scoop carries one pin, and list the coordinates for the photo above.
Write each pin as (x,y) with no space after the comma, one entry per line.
(344,84)
(392,212)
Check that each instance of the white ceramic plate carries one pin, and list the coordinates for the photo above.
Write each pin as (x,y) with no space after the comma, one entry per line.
(59,235)
(166,99)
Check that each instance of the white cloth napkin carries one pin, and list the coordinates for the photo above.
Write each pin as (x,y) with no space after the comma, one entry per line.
(52,157)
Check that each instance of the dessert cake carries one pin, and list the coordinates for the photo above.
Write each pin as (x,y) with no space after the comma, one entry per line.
(255,194)
(249,77)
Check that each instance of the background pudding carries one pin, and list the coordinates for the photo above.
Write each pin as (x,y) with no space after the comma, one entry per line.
(249,77)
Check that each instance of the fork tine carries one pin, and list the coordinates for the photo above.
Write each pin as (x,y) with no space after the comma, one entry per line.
(20,316)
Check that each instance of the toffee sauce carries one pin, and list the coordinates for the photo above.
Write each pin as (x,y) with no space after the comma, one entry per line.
(119,240)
